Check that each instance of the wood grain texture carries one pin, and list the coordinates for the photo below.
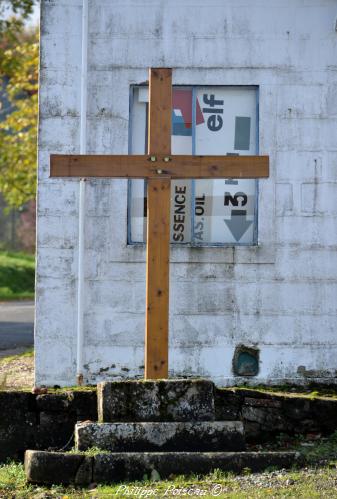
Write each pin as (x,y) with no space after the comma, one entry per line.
(140,166)
(157,278)
(160,111)
(158,228)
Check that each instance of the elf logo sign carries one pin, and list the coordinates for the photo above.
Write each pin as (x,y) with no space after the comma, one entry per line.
(214,112)
(182,112)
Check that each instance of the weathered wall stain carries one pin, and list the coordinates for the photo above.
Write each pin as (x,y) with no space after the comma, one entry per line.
(280,296)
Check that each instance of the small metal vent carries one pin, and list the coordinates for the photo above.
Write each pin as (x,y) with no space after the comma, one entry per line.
(246,361)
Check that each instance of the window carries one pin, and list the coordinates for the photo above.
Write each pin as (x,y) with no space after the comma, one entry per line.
(205,120)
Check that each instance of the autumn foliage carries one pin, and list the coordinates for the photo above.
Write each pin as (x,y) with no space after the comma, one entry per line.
(18,132)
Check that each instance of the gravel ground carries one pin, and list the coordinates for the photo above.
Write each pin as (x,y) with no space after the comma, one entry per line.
(17,373)
(306,483)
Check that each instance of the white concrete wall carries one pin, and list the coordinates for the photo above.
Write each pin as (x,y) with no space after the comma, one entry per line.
(280,296)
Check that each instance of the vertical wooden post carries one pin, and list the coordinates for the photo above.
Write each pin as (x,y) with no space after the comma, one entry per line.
(158,228)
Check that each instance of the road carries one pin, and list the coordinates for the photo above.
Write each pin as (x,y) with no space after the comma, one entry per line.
(16,325)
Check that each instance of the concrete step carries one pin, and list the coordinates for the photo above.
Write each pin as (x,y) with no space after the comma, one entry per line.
(161,436)
(80,469)
(163,400)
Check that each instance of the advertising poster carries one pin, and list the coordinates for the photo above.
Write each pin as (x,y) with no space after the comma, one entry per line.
(205,120)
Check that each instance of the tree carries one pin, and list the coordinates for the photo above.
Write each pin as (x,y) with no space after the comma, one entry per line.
(26,227)
(12,16)
(18,132)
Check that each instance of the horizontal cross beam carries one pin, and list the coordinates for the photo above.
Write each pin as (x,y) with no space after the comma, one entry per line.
(159,166)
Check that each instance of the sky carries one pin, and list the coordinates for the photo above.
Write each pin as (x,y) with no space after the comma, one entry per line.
(34,18)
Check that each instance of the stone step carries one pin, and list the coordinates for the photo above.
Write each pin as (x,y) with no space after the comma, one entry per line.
(80,469)
(161,436)
(163,400)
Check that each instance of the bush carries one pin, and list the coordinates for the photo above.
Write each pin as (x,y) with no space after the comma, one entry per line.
(17,275)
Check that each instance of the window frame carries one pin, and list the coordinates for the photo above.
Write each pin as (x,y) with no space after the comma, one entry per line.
(193,243)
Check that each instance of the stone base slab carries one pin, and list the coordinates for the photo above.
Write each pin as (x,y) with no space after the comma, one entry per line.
(163,400)
(56,468)
(161,436)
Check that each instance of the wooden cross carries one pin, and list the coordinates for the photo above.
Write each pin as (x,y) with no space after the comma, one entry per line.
(158,167)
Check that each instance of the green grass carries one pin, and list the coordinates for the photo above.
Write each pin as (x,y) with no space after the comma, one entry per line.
(28,353)
(324,449)
(17,276)
(74,388)
(314,481)
(308,483)
(311,390)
